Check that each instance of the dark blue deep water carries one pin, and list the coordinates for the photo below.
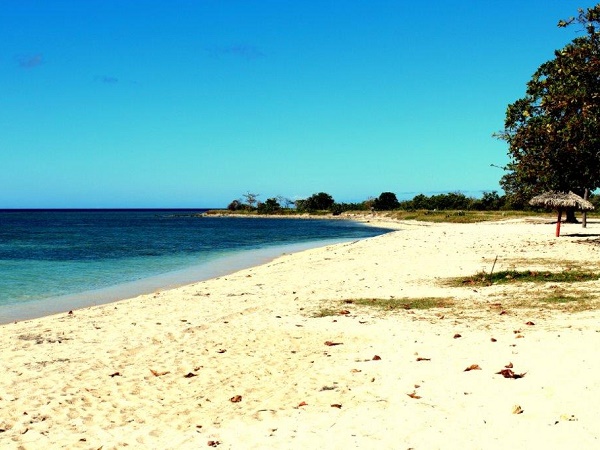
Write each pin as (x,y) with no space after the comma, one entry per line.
(48,254)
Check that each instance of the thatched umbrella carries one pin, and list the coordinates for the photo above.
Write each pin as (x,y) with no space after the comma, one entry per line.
(561,201)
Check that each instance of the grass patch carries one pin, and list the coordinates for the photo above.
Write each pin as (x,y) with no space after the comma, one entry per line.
(448,216)
(531,276)
(404,303)
(560,298)
(460,216)
(563,264)
(569,299)
(386,304)
(327,312)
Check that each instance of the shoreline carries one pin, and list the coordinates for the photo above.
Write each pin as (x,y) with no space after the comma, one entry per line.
(202,268)
(216,267)
(250,360)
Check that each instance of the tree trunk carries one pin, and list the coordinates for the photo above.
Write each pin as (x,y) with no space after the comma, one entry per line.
(571,216)
(584,215)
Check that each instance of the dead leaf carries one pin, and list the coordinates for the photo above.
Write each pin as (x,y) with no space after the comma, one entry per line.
(414,395)
(517,410)
(376,358)
(472,367)
(331,344)
(336,405)
(158,374)
(344,312)
(507,373)
(302,404)
(236,399)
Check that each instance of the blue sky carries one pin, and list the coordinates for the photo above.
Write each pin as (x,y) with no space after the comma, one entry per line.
(185,103)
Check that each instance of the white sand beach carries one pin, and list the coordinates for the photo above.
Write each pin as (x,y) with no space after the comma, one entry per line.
(249,360)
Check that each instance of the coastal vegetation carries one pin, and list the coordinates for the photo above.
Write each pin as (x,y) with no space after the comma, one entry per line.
(553,131)
(524,276)
(448,207)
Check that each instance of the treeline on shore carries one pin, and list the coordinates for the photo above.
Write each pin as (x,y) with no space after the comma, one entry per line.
(386,201)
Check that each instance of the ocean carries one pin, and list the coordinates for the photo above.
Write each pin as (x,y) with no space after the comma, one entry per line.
(58,260)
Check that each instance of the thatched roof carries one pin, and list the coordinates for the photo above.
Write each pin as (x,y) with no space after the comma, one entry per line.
(560,200)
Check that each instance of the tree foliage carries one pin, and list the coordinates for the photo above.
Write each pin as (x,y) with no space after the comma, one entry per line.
(238,205)
(316,202)
(490,201)
(251,199)
(270,206)
(553,133)
(386,202)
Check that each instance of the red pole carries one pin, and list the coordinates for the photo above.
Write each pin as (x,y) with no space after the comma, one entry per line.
(558,223)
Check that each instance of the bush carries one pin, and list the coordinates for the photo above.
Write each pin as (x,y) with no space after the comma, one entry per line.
(237,205)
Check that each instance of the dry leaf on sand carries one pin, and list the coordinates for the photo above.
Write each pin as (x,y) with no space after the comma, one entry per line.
(507,373)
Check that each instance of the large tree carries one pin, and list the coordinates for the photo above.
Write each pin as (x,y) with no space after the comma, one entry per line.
(553,133)
(386,201)
(316,202)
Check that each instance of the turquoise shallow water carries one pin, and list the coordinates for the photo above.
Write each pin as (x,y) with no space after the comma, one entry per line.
(53,261)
